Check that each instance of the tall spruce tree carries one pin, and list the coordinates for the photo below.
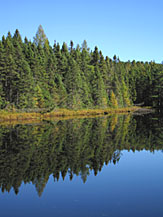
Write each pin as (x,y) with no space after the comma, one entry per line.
(40,37)
(73,83)
(99,95)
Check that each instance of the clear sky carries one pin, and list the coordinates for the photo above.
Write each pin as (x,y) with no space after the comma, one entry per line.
(131,29)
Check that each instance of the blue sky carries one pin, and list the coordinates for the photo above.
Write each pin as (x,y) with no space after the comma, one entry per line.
(131,29)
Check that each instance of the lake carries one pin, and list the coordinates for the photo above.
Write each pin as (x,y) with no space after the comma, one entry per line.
(86,167)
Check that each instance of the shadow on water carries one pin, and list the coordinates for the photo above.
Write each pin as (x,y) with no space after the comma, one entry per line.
(32,152)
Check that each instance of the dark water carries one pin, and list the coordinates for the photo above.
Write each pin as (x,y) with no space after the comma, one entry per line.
(110,166)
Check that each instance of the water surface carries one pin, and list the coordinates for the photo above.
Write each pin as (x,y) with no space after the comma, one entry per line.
(107,166)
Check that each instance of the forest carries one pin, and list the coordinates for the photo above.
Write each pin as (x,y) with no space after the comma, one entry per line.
(34,74)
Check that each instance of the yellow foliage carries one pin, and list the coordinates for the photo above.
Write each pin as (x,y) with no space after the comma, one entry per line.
(113,100)
(104,102)
(114,121)
(126,99)
(60,113)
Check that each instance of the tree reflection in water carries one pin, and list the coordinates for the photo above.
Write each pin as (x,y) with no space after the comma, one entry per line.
(32,152)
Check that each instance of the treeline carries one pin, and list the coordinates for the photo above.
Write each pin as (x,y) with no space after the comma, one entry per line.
(37,75)
(77,147)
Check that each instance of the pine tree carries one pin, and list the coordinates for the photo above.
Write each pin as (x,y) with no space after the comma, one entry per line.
(40,37)
(73,83)
(103,68)
(125,94)
(39,99)
(95,57)
(2,75)
(1,96)
(61,90)
(51,85)
(26,87)
(157,95)
(99,95)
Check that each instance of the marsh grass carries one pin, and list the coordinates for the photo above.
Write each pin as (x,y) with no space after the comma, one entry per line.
(19,116)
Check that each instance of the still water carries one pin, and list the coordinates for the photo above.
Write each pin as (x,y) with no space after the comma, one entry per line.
(93,167)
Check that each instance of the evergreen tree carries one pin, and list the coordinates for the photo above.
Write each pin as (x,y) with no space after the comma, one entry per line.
(1,96)
(157,96)
(40,37)
(95,57)
(2,75)
(99,95)
(73,83)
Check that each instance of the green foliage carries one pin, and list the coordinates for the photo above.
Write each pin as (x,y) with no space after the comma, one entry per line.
(1,96)
(40,38)
(99,94)
(35,75)
(157,96)
(39,97)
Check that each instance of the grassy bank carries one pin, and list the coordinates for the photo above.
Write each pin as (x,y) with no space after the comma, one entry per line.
(12,116)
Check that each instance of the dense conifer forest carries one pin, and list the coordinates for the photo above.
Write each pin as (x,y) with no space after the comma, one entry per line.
(37,75)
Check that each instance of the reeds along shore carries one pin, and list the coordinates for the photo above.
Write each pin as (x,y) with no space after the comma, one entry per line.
(11,116)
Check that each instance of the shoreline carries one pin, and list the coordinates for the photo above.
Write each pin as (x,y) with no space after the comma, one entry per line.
(16,116)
